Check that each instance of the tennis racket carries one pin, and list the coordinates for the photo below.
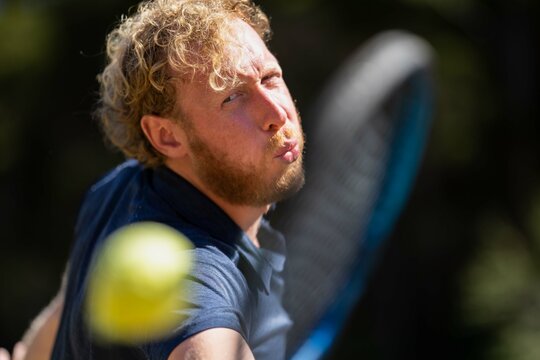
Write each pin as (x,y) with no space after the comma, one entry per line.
(367,140)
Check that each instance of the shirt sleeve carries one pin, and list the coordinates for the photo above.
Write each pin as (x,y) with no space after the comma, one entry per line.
(217,296)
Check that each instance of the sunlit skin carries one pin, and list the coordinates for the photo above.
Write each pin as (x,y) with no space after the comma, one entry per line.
(253,128)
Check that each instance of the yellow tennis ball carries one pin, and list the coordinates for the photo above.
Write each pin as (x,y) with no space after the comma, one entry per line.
(136,283)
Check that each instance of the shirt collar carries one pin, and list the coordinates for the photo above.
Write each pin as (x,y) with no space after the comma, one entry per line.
(197,209)
(193,206)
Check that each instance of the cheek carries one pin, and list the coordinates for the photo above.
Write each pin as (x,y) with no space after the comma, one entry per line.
(237,144)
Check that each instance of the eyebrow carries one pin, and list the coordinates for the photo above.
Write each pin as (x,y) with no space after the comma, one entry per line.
(262,68)
(260,71)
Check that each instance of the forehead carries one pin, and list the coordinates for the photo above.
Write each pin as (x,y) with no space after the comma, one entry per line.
(246,49)
(245,56)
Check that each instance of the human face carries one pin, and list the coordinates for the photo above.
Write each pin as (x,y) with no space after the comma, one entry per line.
(245,143)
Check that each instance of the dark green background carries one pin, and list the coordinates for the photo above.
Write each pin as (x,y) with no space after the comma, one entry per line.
(460,276)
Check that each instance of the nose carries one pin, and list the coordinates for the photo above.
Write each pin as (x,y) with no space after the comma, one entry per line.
(271,112)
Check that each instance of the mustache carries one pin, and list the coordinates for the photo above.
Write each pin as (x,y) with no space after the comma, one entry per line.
(280,138)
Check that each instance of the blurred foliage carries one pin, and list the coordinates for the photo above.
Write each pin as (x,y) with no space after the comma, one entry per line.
(27,39)
(459,277)
(461,118)
(446,6)
(26,48)
(497,284)
(502,287)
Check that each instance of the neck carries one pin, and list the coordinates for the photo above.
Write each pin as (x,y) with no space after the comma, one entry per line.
(248,218)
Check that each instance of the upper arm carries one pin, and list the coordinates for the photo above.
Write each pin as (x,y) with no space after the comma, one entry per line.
(217,343)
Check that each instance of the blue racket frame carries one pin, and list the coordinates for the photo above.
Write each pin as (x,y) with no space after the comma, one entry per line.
(412,129)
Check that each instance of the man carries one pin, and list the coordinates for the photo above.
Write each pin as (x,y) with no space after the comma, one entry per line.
(192,94)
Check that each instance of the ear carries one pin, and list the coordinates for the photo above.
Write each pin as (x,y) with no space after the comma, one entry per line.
(165,135)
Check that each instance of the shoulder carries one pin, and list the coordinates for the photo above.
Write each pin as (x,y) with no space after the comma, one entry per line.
(217,297)
(217,272)
(117,177)
(108,193)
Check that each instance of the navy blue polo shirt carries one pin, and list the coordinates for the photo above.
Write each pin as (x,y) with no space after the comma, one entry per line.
(233,283)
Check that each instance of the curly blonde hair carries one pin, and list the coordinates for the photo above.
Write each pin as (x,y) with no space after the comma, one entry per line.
(148,52)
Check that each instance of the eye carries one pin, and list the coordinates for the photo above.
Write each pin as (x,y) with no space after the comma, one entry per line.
(231,97)
(271,78)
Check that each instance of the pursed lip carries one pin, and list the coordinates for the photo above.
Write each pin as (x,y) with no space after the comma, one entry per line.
(289,151)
